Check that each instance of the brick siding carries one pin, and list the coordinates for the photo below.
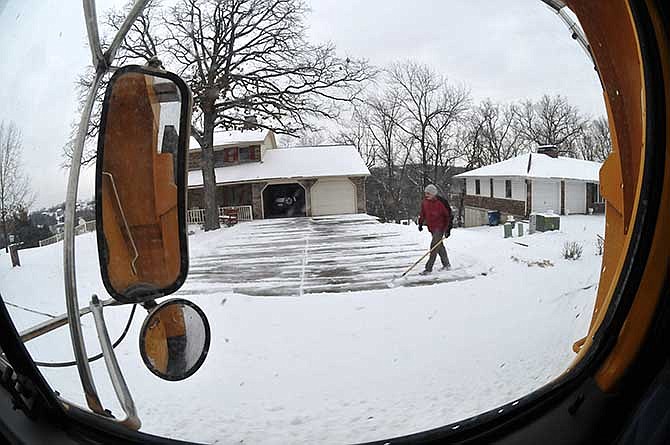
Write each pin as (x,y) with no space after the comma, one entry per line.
(508,206)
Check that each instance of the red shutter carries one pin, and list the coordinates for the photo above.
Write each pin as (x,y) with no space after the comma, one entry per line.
(254,153)
(230,154)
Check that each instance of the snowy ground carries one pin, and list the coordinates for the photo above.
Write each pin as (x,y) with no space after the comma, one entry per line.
(334,355)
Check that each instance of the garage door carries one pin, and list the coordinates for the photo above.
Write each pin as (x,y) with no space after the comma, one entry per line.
(546,197)
(575,197)
(333,197)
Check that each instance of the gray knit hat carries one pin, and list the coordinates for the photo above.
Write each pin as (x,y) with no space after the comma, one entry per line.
(430,188)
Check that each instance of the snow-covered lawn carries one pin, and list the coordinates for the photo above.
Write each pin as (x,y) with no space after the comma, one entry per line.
(310,366)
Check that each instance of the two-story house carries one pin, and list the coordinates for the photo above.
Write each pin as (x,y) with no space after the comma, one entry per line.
(252,173)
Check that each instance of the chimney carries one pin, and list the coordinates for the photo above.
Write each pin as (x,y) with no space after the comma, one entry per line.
(250,122)
(549,150)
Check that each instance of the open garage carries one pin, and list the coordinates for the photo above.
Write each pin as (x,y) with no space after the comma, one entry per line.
(284,200)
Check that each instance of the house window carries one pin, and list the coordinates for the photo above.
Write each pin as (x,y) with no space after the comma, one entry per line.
(508,188)
(478,190)
(244,154)
(230,155)
(250,153)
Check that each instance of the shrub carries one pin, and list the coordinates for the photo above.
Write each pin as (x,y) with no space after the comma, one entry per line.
(600,245)
(572,250)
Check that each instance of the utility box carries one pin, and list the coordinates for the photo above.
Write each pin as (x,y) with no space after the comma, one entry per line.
(542,222)
(507,230)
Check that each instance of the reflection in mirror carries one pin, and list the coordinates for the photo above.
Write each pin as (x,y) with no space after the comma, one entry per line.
(175,339)
(142,248)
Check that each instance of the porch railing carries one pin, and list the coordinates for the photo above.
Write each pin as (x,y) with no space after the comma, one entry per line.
(88,226)
(197,216)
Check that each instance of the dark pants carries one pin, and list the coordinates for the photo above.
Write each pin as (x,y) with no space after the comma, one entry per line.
(437,237)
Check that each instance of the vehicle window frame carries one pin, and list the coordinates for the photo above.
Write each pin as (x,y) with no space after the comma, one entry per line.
(496,420)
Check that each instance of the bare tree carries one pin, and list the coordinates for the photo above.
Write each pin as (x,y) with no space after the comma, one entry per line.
(243,58)
(551,121)
(304,138)
(432,106)
(15,194)
(490,135)
(357,132)
(595,144)
(381,116)
(455,102)
(82,86)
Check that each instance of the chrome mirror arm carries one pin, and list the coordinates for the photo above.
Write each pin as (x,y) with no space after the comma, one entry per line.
(50,325)
(93,34)
(71,300)
(132,420)
(69,266)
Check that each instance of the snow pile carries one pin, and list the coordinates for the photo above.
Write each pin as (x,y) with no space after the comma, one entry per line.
(339,367)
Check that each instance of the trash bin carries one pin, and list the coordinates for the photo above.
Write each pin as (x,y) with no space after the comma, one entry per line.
(494,217)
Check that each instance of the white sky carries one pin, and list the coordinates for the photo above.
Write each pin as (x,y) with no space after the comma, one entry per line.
(521,51)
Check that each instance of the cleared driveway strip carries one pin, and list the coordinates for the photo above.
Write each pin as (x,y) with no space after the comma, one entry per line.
(297,256)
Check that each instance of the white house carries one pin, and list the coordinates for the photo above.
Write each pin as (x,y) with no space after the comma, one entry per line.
(276,182)
(532,182)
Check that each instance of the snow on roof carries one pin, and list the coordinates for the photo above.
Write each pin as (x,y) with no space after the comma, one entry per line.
(282,163)
(540,166)
(234,137)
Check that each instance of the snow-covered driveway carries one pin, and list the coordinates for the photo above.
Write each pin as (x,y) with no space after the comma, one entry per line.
(297,256)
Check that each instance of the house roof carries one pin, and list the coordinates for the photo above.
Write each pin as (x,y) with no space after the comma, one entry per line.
(539,166)
(291,163)
(234,137)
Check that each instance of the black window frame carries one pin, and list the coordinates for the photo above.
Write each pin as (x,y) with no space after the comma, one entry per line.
(508,188)
(495,423)
(478,187)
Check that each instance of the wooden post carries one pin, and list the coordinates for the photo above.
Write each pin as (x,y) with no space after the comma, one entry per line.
(14,254)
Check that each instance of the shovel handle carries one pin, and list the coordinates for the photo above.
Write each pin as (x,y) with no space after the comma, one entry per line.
(424,256)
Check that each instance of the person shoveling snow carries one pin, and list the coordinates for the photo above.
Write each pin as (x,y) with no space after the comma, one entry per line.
(436,214)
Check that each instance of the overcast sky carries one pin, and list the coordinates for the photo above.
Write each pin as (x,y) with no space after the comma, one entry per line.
(520,51)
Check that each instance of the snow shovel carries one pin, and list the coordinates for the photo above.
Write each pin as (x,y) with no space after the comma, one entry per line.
(391,284)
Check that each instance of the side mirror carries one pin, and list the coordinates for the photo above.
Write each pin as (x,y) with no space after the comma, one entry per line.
(174,339)
(141,184)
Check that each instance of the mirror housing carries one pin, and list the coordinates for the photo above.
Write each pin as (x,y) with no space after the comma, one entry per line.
(140,191)
(174,339)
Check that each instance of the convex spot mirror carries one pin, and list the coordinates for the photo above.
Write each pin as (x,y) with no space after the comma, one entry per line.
(141,184)
(174,339)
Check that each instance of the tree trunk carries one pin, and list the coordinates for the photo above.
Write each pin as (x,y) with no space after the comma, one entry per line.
(208,177)
(4,232)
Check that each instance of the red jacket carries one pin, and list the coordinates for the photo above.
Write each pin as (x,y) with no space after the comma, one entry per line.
(435,215)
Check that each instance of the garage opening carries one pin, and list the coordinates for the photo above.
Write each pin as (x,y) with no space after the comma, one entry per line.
(284,200)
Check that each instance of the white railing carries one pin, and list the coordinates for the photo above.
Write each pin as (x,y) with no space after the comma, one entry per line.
(88,226)
(197,216)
